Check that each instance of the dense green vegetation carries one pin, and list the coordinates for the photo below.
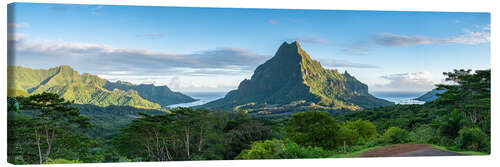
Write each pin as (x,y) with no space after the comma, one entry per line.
(292,81)
(44,128)
(459,118)
(107,121)
(89,89)
(51,128)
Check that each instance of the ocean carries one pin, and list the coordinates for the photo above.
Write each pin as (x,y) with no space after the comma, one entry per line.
(400,97)
(396,97)
(202,98)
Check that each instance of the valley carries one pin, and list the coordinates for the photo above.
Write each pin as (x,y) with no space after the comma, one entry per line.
(291,105)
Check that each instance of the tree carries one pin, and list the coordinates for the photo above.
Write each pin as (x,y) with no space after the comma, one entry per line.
(43,125)
(292,150)
(451,123)
(12,105)
(396,135)
(313,128)
(473,139)
(242,130)
(355,131)
(21,142)
(51,115)
(179,135)
(281,149)
(425,134)
(469,94)
(150,137)
(192,124)
(262,150)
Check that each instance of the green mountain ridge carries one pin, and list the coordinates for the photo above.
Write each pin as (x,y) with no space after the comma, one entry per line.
(430,96)
(291,79)
(158,94)
(89,89)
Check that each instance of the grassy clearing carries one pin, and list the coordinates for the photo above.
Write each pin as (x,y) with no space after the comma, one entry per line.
(458,151)
(354,154)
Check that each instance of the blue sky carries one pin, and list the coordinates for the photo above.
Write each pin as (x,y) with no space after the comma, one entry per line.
(213,49)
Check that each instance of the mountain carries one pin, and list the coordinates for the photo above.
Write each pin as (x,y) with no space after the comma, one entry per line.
(88,89)
(291,80)
(430,96)
(158,94)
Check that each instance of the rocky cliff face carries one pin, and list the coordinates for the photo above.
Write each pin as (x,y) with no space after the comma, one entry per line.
(292,79)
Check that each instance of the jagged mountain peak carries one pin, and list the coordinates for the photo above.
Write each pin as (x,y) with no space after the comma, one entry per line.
(294,44)
(291,52)
(65,67)
(292,77)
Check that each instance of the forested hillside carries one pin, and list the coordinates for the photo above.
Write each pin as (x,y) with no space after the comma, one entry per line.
(89,89)
(44,128)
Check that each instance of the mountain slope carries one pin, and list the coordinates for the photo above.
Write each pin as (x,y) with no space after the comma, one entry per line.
(158,94)
(430,96)
(68,83)
(291,79)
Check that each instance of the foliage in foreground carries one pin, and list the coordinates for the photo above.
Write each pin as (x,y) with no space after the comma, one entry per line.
(313,128)
(45,128)
(52,127)
(395,135)
(189,134)
(281,149)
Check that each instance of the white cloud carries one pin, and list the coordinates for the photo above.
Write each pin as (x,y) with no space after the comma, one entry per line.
(471,37)
(388,39)
(183,83)
(15,37)
(221,58)
(204,83)
(96,10)
(19,25)
(218,69)
(479,35)
(406,82)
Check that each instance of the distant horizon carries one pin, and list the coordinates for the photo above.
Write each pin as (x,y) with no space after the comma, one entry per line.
(208,50)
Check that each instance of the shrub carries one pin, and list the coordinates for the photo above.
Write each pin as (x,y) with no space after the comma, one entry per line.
(450,124)
(357,132)
(313,128)
(281,149)
(61,161)
(292,150)
(262,150)
(349,135)
(425,135)
(473,139)
(395,135)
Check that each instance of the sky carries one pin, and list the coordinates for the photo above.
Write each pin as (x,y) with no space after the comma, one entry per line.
(214,49)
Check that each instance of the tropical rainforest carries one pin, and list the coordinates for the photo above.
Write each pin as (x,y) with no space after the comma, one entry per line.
(45,127)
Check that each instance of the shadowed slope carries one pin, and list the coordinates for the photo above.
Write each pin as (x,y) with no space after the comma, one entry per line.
(292,79)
